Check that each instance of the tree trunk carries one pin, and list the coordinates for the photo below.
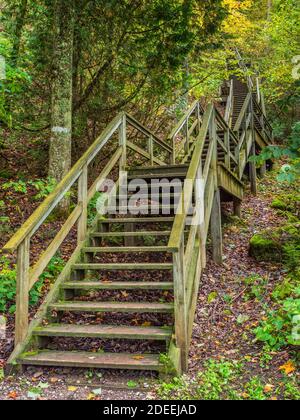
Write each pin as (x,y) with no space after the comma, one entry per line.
(62,90)
(20,21)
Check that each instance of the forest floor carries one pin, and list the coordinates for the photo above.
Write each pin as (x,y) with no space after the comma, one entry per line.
(233,364)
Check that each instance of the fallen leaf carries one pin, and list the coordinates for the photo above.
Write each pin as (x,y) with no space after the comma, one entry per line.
(241,319)
(268,388)
(288,367)
(212,297)
(138,357)
(72,388)
(13,395)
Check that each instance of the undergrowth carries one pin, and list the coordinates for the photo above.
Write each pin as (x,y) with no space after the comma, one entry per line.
(8,276)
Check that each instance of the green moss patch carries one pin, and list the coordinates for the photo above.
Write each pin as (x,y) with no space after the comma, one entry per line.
(264,248)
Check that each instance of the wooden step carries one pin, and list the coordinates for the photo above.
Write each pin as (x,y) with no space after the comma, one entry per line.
(137,220)
(157,169)
(105,332)
(147,196)
(126,250)
(92,360)
(123,307)
(155,176)
(129,234)
(157,183)
(123,266)
(134,285)
(144,207)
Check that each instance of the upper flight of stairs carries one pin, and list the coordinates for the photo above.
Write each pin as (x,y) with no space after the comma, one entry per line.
(127,296)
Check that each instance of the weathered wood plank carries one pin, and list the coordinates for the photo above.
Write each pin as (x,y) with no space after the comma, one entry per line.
(22,294)
(216,229)
(180,304)
(92,360)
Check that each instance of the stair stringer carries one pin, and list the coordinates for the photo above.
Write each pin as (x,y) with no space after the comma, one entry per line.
(230,183)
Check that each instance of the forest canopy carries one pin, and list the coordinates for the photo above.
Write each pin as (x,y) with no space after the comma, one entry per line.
(76,64)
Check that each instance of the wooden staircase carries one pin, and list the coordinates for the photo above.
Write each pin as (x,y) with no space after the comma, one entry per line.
(126,299)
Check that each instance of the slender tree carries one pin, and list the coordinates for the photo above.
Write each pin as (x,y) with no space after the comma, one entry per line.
(62,89)
(20,21)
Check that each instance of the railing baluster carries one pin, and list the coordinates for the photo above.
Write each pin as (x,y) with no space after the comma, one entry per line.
(227,144)
(22,295)
(123,143)
(150,150)
(187,142)
(174,150)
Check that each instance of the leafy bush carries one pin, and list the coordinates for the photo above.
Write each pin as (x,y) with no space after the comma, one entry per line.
(8,283)
(13,85)
(43,186)
(214,383)
(18,186)
(289,172)
(277,329)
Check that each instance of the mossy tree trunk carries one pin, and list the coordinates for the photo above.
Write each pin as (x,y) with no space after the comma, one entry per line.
(62,90)
(19,24)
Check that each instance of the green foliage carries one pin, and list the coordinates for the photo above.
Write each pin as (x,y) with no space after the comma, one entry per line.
(257,287)
(290,172)
(17,186)
(13,85)
(8,283)
(255,390)
(291,391)
(279,204)
(92,208)
(215,382)
(278,329)
(43,186)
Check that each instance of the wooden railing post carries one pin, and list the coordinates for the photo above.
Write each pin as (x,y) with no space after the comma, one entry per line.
(180,305)
(227,144)
(83,201)
(199,117)
(200,206)
(150,150)
(123,143)
(253,172)
(174,151)
(187,142)
(216,229)
(22,294)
